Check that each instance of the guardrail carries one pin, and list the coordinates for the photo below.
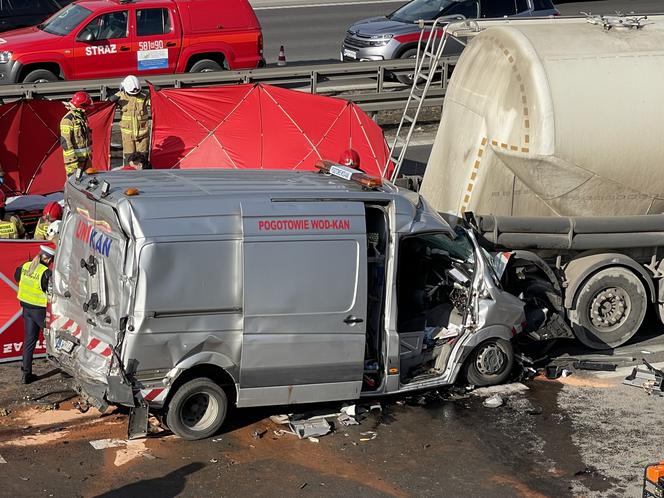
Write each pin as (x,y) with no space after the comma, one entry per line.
(372,85)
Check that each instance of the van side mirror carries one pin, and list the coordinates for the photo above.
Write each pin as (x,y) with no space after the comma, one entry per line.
(86,36)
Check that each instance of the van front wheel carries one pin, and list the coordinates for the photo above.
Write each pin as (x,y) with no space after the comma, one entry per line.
(490,363)
(197,410)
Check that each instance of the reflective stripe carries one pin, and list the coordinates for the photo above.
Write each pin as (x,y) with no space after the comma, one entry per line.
(8,230)
(41,230)
(29,287)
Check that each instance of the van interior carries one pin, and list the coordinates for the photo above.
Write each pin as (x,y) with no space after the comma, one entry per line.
(434,277)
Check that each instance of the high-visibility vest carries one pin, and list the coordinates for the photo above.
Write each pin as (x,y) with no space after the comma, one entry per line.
(9,229)
(42,229)
(29,287)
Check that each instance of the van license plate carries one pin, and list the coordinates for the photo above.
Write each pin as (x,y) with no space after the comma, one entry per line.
(64,345)
(351,54)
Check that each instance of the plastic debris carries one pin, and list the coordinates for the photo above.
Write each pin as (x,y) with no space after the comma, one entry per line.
(309,428)
(313,439)
(349,410)
(213,460)
(347,420)
(280,419)
(102,444)
(2,460)
(258,434)
(368,436)
(493,401)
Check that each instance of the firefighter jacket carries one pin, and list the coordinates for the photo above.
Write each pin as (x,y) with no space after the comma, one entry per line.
(11,228)
(135,115)
(30,285)
(76,140)
(42,229)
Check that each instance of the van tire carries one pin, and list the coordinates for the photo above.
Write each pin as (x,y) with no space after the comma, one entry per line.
(197,410)
(205,66)
(40,76)
(490,363)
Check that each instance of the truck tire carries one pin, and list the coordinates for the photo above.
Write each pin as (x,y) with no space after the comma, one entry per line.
(610,308)
(205,66)
(197,410)
(490,363)
(40,76)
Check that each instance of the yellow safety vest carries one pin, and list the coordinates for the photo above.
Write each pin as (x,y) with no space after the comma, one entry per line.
(9,229)
(29,287)
(41,230)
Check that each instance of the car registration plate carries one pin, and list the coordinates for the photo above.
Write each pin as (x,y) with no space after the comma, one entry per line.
(352,54)
(64,345)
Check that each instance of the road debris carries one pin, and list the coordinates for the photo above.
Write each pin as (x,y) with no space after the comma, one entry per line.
(650,379)
(102,444)
(594,365)
(2,460)
(493,401)
(4,412)
(259,433)
(368,435)
(313,439)
(308,428)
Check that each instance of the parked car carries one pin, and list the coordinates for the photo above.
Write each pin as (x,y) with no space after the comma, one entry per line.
(112,38)
(395,36)
(16,14)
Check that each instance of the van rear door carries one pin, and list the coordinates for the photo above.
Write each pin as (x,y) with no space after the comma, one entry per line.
(305,302)
(88,289)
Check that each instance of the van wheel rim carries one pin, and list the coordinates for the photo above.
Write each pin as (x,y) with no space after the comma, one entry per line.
(490,360)
(199,411)
(610,308)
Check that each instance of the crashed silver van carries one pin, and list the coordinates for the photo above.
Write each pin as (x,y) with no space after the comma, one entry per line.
(183,292)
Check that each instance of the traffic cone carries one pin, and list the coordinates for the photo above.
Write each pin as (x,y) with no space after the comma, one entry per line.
(282,57)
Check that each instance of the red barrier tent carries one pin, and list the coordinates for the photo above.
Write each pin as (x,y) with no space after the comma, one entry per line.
(30,152)
(260,126)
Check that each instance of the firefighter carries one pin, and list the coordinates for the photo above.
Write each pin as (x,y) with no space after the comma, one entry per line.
(32,278)
(75,134)
(350,158)
(52,212)
(11,227)
(134,108)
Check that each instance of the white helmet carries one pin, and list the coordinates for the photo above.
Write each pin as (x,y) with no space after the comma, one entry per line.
(53,230)
(131,85)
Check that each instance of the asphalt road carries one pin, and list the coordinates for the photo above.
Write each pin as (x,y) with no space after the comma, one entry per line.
(315,32)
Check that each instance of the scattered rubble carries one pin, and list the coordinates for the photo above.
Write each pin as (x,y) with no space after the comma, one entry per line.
(494,401)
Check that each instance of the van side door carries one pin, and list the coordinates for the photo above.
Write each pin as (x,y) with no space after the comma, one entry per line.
(305,302)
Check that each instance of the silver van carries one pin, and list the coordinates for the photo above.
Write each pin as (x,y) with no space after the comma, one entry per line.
(183,292)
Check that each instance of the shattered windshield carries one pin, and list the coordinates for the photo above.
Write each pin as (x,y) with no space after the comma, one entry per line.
(459,247)
(420,9)
(63,22)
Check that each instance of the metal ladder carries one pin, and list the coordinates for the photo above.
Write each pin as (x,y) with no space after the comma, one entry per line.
(426,65)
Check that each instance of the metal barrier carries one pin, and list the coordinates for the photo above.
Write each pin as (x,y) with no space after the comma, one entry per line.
(372,85)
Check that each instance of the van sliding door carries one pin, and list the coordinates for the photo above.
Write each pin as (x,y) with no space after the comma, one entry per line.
(305,302)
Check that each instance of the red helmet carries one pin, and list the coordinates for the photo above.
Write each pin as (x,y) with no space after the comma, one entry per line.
(53,210)
(81,100)
(350,158)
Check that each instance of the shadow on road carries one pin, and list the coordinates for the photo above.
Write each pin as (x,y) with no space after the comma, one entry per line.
(167,486)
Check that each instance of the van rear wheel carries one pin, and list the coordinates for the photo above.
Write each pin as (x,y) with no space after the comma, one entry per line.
(197,410)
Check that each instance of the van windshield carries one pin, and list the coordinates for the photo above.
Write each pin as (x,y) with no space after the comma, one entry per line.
(420,9)
(65,21)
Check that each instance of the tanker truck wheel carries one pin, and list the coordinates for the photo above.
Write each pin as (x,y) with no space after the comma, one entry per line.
(610,308)
(197,409)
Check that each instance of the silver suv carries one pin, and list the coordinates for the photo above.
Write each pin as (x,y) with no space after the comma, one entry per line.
(395,36)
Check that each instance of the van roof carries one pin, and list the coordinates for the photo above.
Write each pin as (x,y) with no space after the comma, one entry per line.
(220,192)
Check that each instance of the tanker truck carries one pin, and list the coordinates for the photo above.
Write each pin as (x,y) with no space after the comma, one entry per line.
(551,143)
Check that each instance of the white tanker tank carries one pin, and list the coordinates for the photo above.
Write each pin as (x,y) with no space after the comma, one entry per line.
(546,119)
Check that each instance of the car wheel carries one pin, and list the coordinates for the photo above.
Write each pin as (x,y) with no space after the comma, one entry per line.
(407,79)
(610,308)
(490,363)
(40,76)
(197,409)
(205,66)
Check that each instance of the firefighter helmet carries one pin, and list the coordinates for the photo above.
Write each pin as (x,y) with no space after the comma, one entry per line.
(131,85)
(53,211)
(81,100)
(350,158)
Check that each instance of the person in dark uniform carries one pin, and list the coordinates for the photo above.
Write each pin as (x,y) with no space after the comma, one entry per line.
(32,278)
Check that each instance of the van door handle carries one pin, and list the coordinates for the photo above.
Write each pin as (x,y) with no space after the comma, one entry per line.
(350,320)
(170,44)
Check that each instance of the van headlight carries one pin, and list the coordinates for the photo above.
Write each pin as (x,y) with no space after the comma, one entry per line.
(5,56)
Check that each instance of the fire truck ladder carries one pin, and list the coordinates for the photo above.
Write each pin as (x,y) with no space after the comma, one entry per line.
(427,62)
